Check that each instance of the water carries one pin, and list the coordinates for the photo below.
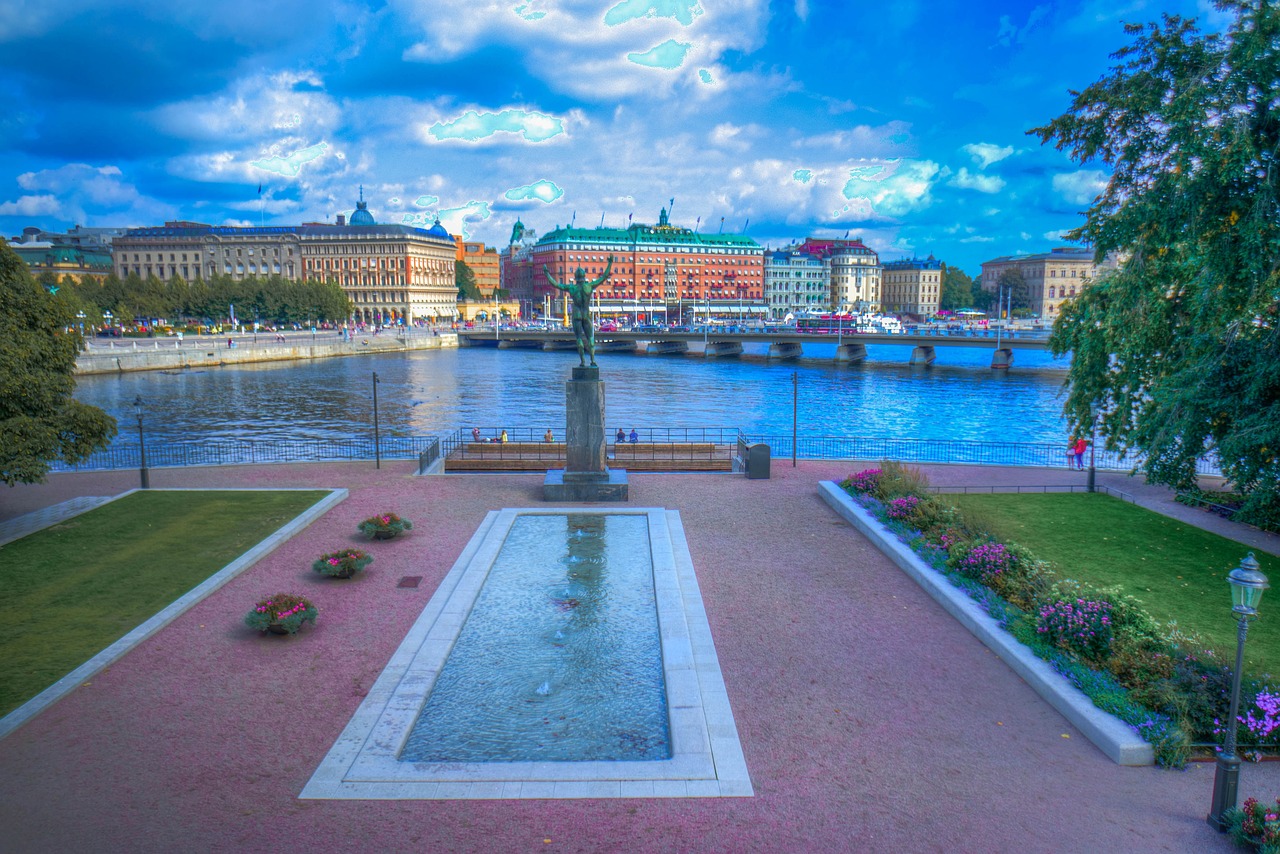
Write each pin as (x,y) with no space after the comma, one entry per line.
(560,658)
(433,393)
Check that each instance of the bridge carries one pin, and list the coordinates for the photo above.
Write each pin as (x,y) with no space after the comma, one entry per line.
(784,344)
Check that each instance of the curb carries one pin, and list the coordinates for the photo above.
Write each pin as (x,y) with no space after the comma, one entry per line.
(1109,734)
(175,609)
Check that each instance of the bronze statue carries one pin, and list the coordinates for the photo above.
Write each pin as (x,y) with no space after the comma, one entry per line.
(583,330)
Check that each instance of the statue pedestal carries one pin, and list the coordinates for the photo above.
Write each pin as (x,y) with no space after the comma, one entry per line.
(585,476)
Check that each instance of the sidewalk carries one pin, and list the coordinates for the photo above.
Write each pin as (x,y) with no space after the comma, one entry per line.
(870,720)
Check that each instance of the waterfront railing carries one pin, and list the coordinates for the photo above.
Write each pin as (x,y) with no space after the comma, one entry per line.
(428,449)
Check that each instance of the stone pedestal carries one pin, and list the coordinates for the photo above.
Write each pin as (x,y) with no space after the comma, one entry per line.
(585,476)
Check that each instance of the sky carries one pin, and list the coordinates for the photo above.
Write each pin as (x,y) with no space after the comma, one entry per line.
(901,123)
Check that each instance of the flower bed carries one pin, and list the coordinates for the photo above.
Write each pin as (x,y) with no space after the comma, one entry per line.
(1166,686)
(283,613)
(1256,825)
(342,564)
(384,526)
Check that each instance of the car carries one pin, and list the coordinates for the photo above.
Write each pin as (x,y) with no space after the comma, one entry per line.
(608,326)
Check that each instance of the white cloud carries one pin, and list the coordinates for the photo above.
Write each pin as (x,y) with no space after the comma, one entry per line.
(892,188)
(1082,187)
(42,205)
(966,180)
(253,108)
(984,153)
(735,137)
(802,9)
(1010,33)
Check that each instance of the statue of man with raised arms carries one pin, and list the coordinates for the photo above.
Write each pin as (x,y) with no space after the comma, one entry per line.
(583,330)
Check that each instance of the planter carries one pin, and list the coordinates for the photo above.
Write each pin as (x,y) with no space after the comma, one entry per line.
(384,526)
(342,564)
(385,535)
(277,629)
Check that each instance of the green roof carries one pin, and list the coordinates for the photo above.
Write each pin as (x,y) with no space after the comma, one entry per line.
(638,234)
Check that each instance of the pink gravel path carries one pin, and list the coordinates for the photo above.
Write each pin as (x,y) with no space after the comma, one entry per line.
(870,720)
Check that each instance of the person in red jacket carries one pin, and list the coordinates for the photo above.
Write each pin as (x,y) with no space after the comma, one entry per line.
(1080,446)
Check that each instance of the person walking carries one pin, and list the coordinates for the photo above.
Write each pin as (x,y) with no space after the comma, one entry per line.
(1079,449)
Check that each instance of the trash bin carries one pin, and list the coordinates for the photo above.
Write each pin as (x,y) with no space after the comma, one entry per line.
(758,461)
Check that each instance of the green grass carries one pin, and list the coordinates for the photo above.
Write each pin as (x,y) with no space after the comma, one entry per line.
(74,588)
(1179,572)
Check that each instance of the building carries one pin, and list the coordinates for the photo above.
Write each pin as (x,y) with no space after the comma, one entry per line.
(62,261)
(392,273)
(484,263)
(795,282)
(515,270)
(912,286)
(661,272)
(854,270)
(1044,280)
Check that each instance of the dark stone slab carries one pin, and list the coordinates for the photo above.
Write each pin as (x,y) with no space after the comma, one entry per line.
(560,485)
(584,422)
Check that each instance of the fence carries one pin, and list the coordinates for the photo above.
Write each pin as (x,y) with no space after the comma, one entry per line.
(212,452)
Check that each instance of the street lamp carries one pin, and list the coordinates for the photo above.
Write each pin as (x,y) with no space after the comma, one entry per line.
(377,451)
(142,445)
(1247,584)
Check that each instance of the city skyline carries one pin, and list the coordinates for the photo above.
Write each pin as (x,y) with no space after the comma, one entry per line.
(906,129)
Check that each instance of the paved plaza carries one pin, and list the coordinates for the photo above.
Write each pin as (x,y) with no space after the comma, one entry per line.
(869,719)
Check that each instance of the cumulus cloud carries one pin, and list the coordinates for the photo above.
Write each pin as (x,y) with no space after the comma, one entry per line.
(473,126)
(287,103)
(41,205)
(984,153)
(73,191)
(1011,33)
(966,180)
(1080,188)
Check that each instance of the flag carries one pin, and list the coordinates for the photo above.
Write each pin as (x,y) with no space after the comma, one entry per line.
(745,224)
(259,189)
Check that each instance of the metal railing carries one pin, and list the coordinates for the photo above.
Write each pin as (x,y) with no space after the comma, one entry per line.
(1024,488)
(262,451)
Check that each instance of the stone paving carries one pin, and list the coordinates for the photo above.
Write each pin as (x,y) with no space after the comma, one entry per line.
(869,719)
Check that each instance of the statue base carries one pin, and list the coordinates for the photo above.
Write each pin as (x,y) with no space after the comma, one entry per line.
(561,485)
(585,476)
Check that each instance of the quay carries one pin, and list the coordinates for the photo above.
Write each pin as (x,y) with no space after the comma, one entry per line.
(850,346)
(161,354)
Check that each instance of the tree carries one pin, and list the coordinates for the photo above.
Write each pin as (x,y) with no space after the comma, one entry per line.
(1177,349)
(466,279)
(39,419)
(957,289)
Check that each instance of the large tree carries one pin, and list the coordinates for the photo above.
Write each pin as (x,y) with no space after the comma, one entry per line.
(39,419)
(957,289)
(1177,349)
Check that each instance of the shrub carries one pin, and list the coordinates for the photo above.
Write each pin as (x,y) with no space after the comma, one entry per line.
(283,613)
(1078,626)
(902,509)
(897,480)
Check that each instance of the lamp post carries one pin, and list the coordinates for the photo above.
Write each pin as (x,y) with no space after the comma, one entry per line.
(142,446)
(377,451)
(1247,584)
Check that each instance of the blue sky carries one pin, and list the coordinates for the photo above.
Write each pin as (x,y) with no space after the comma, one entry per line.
(902,123)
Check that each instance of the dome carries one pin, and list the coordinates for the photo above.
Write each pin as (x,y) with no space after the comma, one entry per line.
(362,215)
(439,230)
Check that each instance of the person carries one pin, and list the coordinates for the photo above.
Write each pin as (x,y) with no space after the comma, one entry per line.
(1080,446)
(620,436)
(634,437)
(475,434)
(547,437)
(583,330)
(502,438)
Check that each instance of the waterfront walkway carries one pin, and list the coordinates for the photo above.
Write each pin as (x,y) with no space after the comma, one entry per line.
(870,720)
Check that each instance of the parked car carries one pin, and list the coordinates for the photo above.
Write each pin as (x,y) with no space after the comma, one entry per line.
(608,326)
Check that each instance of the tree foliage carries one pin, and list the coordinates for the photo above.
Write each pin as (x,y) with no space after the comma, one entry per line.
(1178,347)
(466,280)
(957,289)
(39,419)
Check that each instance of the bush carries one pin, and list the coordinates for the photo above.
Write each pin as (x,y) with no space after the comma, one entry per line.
(897,480)
(902,509)
(384,525)
(865,482)
(341,564)
(1078,626)
(283,613)
(1256,824)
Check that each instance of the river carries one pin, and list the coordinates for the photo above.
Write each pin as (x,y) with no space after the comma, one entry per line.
(433,393)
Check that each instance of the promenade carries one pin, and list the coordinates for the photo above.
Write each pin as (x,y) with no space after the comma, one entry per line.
(870,720)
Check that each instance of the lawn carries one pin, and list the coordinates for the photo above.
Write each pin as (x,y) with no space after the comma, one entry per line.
(74,588)
(1179,572)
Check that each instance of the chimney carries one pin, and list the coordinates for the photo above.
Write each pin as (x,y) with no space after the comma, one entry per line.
(342,219)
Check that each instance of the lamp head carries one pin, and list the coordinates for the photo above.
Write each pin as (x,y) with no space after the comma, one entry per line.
(1247,584)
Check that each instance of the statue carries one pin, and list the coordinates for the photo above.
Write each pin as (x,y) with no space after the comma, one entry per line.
(583,330)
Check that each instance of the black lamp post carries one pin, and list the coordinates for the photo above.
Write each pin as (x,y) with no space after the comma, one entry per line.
(1247,584)
(142,446)
(377,451)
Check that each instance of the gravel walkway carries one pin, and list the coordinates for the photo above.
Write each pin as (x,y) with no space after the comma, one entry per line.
(870,720)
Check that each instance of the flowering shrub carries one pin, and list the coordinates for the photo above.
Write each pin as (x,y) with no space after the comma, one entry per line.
(1256,824)
(342,564)
(902,508)
(283,613)
(384,525)
(865,482)
(984,562)
(1267,720)
(1081,626)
